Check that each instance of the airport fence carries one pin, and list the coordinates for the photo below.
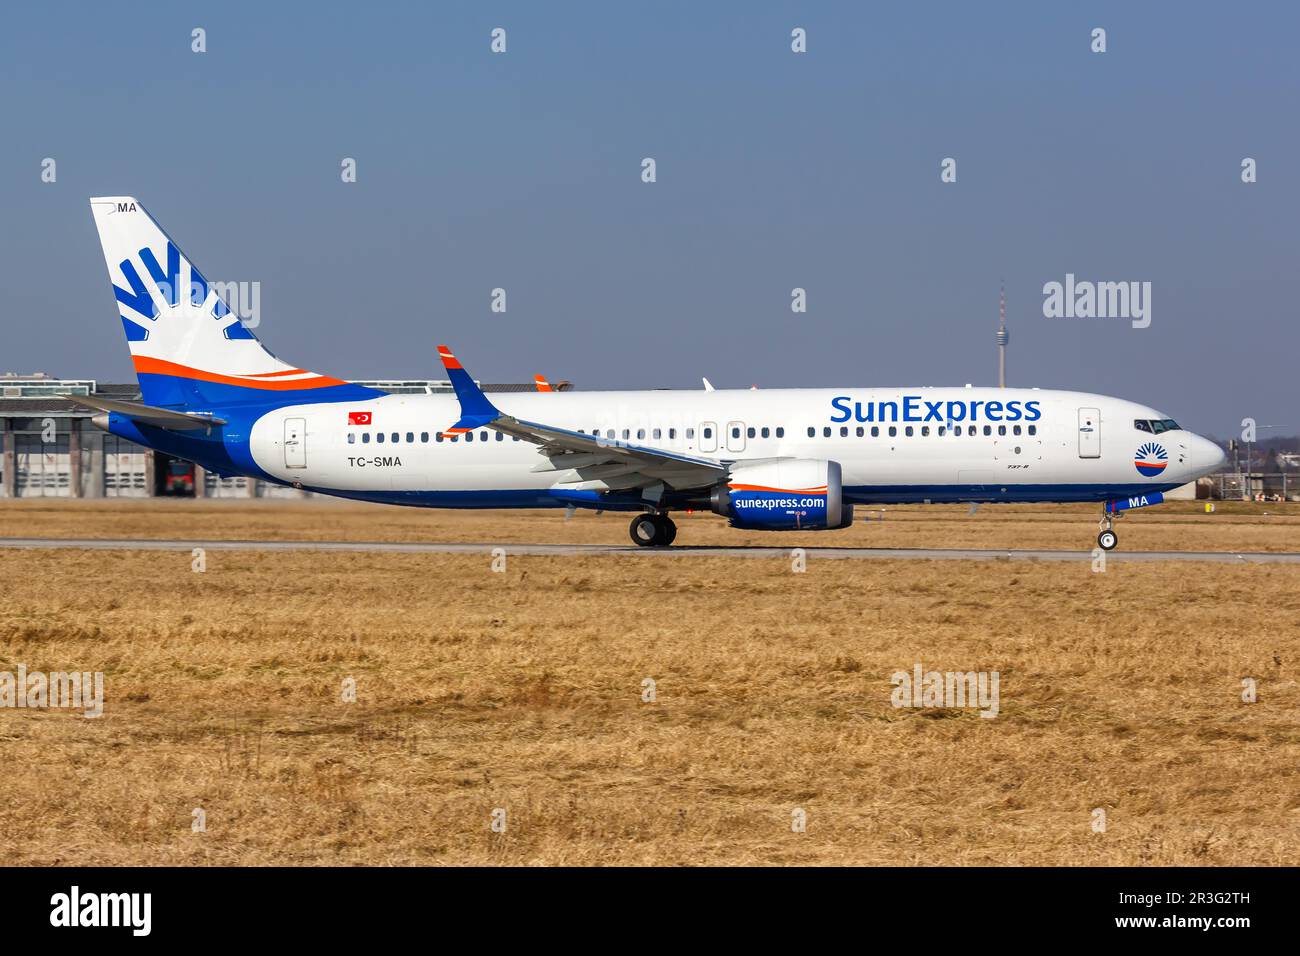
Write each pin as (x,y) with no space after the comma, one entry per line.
(1257,486)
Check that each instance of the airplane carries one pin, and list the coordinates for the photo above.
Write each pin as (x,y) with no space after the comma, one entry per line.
(778,459)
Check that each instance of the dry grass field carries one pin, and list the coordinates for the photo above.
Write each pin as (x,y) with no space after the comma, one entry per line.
(522,690)
(1175,526)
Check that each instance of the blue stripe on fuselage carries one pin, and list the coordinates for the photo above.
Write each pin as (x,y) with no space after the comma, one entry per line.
(960,494)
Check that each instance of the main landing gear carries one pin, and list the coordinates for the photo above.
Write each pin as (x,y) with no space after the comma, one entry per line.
(1107,539)
(653,530)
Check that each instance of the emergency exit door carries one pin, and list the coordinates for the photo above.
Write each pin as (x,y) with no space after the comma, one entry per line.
(295,443)
(1089,433)
(735,436)
(708,436)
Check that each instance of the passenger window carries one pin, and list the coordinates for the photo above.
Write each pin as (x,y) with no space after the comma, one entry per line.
(352,438)
(424,437)
(379,437)
(672,433)
(396,437)
(609,433)
(812,432)
(501,436)
(826,432)
(1002,429)
(1015,429)
(437,436)
(844,431)
(410,437)
(908,431)
(707,433)
(766,432)
(780,432)
(893,431)
(690,433)
(627,433)
(482,436)
(988,429)
(925,431)
(657,433)
(365,438)
(1033,429)
(875,431)
(469,436)
(640,434)
(943,430)
(753,433)
(861,431)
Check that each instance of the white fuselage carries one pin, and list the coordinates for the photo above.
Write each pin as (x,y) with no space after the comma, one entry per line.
(893,444)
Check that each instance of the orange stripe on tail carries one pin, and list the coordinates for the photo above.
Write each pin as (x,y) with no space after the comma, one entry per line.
(448,360)
(154,366)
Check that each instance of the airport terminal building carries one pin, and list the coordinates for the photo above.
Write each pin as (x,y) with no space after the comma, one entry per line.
(50,449)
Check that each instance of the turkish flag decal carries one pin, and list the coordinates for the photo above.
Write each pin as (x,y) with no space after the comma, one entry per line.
(358,418)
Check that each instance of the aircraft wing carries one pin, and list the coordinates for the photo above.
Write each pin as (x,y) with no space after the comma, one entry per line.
(149,414)
(580,461)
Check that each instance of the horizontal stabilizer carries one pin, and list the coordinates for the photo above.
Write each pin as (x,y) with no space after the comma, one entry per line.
(150,414)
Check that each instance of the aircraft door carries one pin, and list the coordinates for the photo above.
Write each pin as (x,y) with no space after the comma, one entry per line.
(1089,433)
(708,436)
(735,436)
(295,443)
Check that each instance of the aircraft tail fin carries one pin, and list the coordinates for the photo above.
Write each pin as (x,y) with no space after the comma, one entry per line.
(187,346)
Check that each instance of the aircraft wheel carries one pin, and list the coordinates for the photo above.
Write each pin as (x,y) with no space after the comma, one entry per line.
(1107,539)
(647,531)
(670,530)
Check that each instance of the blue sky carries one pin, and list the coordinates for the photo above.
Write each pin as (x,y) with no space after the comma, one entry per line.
(775,171)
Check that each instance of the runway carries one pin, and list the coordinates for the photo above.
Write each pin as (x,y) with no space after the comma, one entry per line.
(860,554)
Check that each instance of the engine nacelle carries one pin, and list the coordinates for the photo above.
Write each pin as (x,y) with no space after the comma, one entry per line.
(800,495)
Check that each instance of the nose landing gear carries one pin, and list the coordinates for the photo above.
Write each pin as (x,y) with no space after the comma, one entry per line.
(653,530)
(1107,539)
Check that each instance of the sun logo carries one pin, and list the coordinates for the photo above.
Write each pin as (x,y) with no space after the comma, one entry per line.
(166,295)
(1151,460)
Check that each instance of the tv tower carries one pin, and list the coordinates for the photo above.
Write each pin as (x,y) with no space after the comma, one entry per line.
(1003,335)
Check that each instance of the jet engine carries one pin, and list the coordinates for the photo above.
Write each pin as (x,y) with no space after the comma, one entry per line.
(801,494)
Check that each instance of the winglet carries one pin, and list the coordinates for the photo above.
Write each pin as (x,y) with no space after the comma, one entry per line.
(475,409)
(542,384)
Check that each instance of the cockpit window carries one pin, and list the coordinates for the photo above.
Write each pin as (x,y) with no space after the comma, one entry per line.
(1156,425)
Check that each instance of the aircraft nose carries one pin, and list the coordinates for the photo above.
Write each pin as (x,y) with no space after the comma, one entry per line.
(1208,456)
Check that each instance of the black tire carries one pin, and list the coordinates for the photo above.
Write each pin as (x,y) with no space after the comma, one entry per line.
(670,530)
(646,531)
(1107,540)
